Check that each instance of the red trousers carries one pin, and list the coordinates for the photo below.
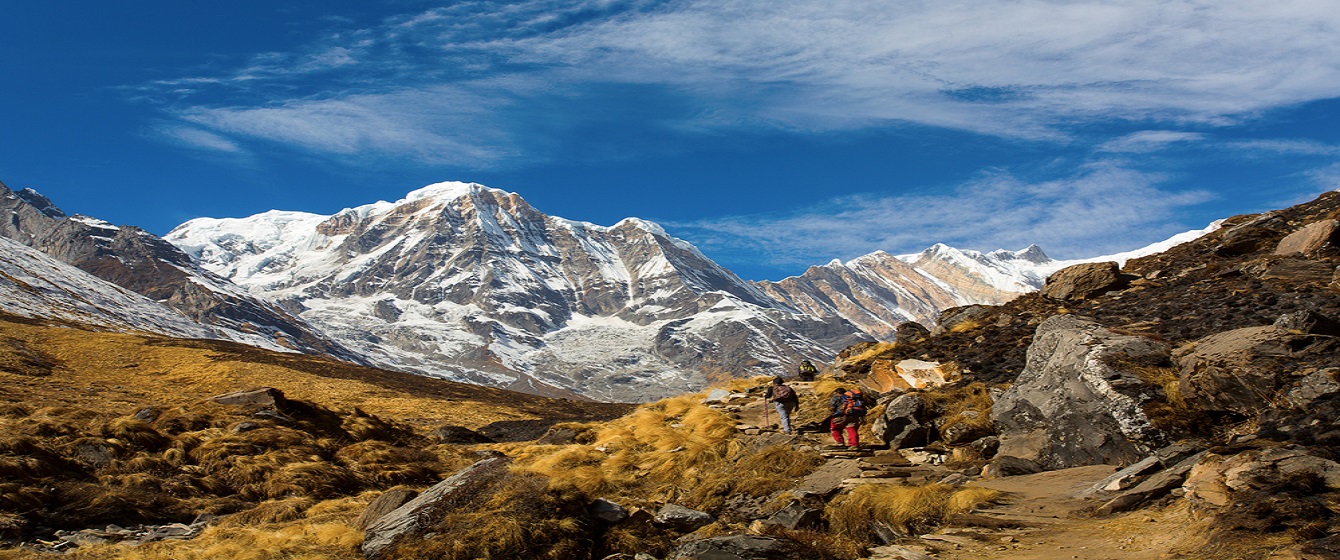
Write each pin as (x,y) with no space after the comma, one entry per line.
(852,423)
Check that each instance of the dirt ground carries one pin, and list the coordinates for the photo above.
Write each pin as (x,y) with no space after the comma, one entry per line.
(1056,525)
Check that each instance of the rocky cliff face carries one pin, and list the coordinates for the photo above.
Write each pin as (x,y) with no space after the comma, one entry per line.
(466,282)
(144,263)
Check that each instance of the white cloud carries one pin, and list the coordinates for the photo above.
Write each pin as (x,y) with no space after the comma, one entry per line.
(1102,210)
(1147,141)
(197,138)
(1288,147)
(445,124)
(1026,68)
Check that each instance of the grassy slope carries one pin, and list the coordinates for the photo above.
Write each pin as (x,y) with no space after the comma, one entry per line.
(64,365)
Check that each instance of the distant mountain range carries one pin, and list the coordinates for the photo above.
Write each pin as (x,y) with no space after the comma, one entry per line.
(470,283)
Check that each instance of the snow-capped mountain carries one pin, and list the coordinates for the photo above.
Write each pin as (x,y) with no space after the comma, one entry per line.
(878,291)
(470,283)
(145,264)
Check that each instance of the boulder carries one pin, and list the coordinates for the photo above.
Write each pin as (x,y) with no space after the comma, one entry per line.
(1314,386)
(1236,371)
(717,396)
(902,423)
(920,374)
(1308,322)
(1154,487)
(1070,407)
(388,502)
(796,516)
(1311,239)
(911,332)
(260,397)
(1251,234)
(1214,480)
(1083,281)
(682,519)
(1006,465)
(412,518)
(607,511)
(737,547)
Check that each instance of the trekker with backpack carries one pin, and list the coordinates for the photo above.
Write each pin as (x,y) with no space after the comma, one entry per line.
(847,409)
(785,399)
(807,370)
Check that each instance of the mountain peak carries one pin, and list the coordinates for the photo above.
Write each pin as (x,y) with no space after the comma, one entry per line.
(41,203)
(450,190)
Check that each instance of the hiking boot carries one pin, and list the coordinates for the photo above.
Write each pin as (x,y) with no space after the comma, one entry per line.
(854,447)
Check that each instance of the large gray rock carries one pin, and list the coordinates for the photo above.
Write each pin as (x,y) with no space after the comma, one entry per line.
(737,547)
(796,516)
(1235,371)
(1069,407)
(418,514)
(682,519)
(1083,281)
(901,425)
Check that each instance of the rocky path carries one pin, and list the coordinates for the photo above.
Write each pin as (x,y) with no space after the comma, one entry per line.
(1040,519)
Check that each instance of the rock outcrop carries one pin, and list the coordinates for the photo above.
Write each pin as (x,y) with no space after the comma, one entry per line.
(415,516)
(1070,407)
(1083,281)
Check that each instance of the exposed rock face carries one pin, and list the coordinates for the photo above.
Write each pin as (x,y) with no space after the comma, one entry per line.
(1237,371)
(412,518)
(736,547)
(466,282)
(1319,236)
(1069,407)
(148,265)
(1083,281)
(1213,481)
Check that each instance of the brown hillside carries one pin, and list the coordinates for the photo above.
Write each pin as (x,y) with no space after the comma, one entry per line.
(1225,280)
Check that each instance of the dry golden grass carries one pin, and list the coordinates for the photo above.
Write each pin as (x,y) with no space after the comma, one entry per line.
(952,402)
(875,351)
(1172,414)
(906,509)
(118,374)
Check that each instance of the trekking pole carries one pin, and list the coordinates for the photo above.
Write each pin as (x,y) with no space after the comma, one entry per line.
(766,423)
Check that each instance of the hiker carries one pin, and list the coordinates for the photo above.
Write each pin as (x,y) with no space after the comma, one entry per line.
(847,409)
(785,399)
(807,370)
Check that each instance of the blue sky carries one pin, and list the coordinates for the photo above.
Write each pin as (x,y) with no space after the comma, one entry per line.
(773,135)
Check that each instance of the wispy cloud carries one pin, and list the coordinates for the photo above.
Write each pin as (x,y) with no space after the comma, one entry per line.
(1104,209)
(1287,147)
(1147,141)
(1028,69)
(193,137)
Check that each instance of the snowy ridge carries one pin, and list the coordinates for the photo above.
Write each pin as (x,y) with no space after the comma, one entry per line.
(35,285)
(471,283)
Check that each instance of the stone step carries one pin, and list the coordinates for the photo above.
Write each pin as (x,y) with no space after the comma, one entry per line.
(882,457)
